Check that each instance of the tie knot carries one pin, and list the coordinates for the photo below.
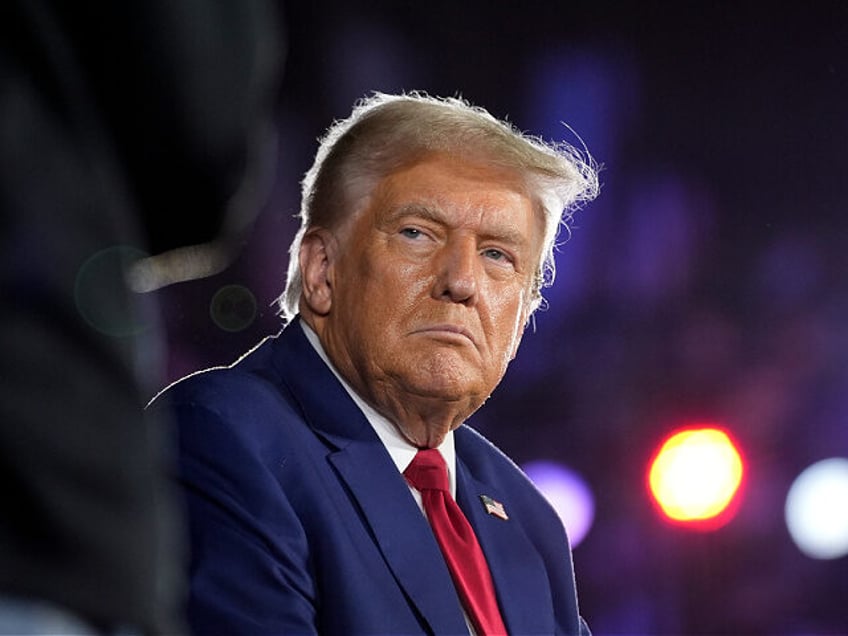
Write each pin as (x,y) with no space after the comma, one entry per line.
(427,471)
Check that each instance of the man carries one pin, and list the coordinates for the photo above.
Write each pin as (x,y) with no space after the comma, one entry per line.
(427,233)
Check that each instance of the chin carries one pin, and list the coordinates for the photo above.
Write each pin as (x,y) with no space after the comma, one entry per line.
(446,375)
(445,386)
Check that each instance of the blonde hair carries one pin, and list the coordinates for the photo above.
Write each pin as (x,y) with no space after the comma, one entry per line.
(386,132)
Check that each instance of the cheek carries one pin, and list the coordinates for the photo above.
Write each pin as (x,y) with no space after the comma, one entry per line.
(508,305)
(399,284)
(510,312)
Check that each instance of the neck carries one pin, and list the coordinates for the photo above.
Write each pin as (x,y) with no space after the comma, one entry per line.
(423,421)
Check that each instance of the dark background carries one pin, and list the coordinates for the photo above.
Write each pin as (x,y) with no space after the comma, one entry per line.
(706,284)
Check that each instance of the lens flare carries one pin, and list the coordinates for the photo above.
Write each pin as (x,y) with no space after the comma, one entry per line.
(569,495)
(817,509)
(695,476)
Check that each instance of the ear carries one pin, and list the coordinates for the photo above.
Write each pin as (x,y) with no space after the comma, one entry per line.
(317,251)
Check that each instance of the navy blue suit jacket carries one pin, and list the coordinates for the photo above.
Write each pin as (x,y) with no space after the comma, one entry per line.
(301,523)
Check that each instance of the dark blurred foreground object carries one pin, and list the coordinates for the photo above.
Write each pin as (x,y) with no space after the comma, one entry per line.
(126,129)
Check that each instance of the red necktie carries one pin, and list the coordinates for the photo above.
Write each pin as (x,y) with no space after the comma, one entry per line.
(428,474)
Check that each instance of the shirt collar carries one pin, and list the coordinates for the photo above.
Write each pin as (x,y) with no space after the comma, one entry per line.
(398,447)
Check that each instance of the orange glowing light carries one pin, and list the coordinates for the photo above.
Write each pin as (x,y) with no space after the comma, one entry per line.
(695,476)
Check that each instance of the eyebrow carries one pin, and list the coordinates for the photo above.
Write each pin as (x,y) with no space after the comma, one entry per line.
(435,215)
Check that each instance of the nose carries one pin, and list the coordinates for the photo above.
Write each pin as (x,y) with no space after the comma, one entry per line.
(457,272)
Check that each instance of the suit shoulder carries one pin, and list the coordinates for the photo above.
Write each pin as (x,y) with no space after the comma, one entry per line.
(248,381)
(244,401)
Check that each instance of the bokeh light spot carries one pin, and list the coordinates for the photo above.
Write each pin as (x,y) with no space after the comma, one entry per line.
(233,308)
(817,509)
(695,476)
(569,495)
(102,294)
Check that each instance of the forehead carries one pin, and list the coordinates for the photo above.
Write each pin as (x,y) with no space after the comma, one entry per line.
(460,191)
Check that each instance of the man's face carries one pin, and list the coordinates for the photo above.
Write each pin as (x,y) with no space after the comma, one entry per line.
(432,284)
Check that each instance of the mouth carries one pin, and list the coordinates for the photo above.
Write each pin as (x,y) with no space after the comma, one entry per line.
(449,332)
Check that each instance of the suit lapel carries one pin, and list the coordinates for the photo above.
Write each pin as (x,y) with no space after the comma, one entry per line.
(402,533)
(400,530)
(517,569)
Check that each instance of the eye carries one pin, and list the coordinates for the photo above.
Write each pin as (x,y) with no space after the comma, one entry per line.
(411,232)
(495,254)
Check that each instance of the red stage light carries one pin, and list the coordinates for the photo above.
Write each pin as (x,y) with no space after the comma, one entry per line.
(695,476)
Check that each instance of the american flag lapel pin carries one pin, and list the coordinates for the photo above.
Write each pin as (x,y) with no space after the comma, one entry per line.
(494,507)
